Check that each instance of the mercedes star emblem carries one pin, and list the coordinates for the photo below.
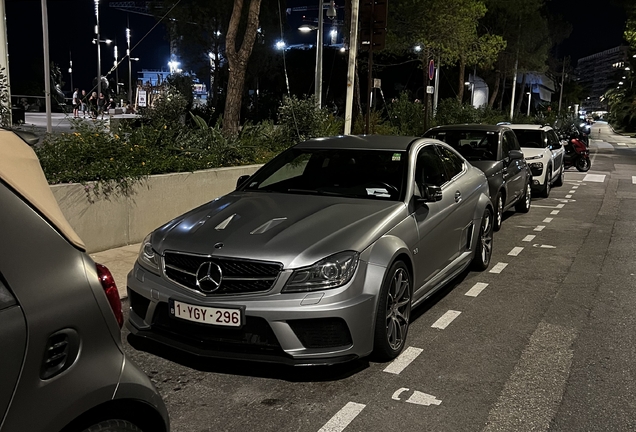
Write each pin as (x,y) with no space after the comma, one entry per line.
(209,277)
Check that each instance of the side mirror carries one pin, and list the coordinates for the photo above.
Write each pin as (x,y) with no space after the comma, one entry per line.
(433,193)
(515,154)
(242,179)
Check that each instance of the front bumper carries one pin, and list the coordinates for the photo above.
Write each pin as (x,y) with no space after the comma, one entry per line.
(321,327)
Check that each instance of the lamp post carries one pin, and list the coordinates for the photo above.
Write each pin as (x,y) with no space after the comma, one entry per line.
(70,69)
(129,65)
(116,72)
(99,61)
(529,100)
(331,14)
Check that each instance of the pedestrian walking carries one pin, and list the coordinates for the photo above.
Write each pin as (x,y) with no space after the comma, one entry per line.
(76,103)
(101,105)
(92,105)
(83,101)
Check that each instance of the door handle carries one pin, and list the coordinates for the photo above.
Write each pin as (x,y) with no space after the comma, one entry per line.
(458,196)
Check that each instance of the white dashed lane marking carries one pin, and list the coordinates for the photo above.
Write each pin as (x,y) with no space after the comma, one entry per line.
(554,212)
(568,196)
(596,178)
(575,187)
(341,420)
(633,179)
(539,228)
(515,251)
(498,268)
(572,191)
(403,360)
(547,220)
(528,238)
(446,319)
(476,289)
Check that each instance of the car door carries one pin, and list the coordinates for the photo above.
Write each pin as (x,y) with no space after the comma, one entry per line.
(513,169)
(433,219)
(13,337)
(557,151)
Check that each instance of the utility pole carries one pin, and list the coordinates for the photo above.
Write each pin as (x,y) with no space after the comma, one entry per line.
(367,128)
(562,81)
(351,71)
(514,88)
(130,97)
(47,66)
(319,39)
(116,72)
(436,94)
(70,69)
(99,53)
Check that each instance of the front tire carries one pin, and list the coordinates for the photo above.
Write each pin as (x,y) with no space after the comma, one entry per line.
(583,164)
(546,186)
(114,425)
(523,206)
(498,212)
(483,249)
(394,313)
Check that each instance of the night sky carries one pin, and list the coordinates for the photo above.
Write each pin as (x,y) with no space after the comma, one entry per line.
(71,28)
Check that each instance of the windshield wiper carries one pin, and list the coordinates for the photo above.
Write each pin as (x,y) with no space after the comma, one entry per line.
(321,192)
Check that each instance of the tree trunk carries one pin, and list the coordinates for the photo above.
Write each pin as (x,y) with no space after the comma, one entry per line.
(237,61)
(521,94)
(462,71)
(503,92)
(495,91)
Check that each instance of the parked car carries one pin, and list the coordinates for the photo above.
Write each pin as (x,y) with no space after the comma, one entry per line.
(544,153)
(63,366)
(495,151)
(318,257)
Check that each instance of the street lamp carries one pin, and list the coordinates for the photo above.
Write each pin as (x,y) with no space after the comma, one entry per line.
(116,72)
(417,48)
(529,96)
(280,45)
(70,69)
(306,28)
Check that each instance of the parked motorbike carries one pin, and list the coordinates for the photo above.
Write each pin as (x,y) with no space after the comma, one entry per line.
(577,155)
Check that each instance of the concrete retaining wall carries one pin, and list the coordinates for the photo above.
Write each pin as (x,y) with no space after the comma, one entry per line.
(118,220)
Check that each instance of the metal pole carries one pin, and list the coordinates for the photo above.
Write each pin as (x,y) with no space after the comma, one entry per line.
(4,56)
(529,98)
(129,65)
(116,72)
(99,54)
(562,81)
(47,66)
(351,71)
(70,69)
(435,96)
(319,39)
(514,88)
(367,129)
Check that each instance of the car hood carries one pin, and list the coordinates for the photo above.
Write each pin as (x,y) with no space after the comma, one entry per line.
(295,230)
(487,166)
(529,152)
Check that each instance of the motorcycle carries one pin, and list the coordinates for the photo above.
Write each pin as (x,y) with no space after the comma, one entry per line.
(577,155)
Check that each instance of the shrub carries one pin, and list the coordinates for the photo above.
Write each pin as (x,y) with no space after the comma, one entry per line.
(299,120)
(406,116)
(450,111)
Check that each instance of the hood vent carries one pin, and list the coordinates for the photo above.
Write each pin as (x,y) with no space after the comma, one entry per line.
(268,225)
(225,223)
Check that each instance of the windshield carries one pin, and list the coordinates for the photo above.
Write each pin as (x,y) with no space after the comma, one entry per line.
(473,145)
(529,138)
(370,174)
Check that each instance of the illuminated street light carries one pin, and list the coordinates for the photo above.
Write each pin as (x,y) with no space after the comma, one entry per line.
(174,66)
(620,83)
(417,48)
(627,68)
(306,28)
(280,45)
(342,49)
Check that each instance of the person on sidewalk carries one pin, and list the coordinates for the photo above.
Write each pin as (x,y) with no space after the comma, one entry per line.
(83,102)
(92,105)
(76,103)
(101,105)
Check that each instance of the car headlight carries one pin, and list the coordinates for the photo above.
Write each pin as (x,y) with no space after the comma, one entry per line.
(148,258)
(536,165)
(534,157)
(331,272)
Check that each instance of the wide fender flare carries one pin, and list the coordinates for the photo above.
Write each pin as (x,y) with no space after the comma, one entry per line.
(386,250)
(483,203)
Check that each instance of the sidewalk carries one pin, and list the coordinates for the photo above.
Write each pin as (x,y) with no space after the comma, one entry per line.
(119,261)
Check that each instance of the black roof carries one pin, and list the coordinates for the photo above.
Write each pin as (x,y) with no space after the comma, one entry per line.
(368,142)
(475,127)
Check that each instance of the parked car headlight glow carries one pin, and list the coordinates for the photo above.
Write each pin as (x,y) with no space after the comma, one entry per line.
(148,258)
(331,272)
(536,165)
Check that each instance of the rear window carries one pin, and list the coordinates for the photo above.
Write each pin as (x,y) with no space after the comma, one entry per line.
(473,145)
(530,138)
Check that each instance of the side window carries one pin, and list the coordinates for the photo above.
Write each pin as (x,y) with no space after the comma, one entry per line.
(512,141)
(453,163)
(552,138)
(429,170)
(505,146)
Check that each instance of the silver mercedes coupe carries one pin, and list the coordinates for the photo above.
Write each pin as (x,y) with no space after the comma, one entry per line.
(317,258)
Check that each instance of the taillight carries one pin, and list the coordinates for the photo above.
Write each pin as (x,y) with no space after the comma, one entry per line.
(112,294)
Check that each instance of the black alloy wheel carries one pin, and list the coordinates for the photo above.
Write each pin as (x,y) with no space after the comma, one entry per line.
(546,187)
(394,313)
(498,212)
(483,249)
(523,205)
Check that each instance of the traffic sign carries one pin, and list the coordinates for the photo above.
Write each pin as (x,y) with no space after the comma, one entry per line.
(431,70)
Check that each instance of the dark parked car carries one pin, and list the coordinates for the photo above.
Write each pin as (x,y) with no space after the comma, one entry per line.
(319,256)
(62,366)
(496,151)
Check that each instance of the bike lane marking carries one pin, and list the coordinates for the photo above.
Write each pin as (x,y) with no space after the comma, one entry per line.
(498,268)
(539,228)
(515,251)
(548,220)
(342,418)
(403,360)
(446,319)
(528,238)
(476,289)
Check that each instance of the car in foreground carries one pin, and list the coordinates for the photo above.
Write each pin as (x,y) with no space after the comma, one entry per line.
(544,153)
(495,151)
(318,257)
(63,366)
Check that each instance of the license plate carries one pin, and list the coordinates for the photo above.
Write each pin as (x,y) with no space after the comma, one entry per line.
(227,317)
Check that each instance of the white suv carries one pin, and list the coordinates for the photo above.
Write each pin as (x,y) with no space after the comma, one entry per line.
(544,154)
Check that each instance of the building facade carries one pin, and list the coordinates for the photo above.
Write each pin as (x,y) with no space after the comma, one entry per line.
(600,72)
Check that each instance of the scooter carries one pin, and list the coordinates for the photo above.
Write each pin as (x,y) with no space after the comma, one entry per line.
(577,155)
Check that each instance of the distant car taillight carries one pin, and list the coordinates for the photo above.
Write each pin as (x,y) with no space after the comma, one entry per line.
(112,294)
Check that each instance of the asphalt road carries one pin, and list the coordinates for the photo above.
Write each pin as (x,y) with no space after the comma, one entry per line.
(547,345)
